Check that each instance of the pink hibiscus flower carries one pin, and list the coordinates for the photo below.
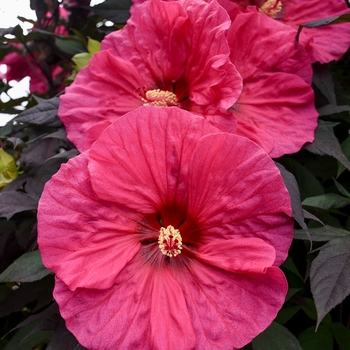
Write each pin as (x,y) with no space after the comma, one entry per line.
(276,107)
(24,65)
(324,44)
(20,66)
(168,54)
(166,234)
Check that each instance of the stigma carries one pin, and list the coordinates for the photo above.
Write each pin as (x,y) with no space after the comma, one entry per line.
(157,98)
(170,241)
(271,8)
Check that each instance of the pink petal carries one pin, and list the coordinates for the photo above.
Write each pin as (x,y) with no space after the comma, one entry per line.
(212,78)
(324,44)
(149,150)
(261,45)
(236,191)
(229,310)
(144,309)
(76,230)
(179,60)
(239,255)
(102,91)
(276,97)
(153,40)
(271,110)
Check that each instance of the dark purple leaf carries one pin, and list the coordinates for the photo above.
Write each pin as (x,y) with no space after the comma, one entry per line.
(326,143)
(45,113)
(116,11)
(63,339)
(293,189)
(330,275)
(323,80)
(331,109)
(14,202)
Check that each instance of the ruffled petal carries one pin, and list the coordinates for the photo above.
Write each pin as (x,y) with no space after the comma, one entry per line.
(271,109)
(239,255)
(155,40)
(144,309)
(277,97)
(102,91)
(179,60)
(323,44)
(260,45)
(228,310)
(83,240)
(149,151)
(213,79)
(235,190)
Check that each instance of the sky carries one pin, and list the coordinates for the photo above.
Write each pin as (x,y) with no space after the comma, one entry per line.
(9,10)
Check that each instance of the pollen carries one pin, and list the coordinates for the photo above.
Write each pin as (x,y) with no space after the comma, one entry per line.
(271,8)
(159,98)
(170,241)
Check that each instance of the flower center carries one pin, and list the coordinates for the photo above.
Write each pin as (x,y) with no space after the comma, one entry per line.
(271,8)
(158,98)
(170,241)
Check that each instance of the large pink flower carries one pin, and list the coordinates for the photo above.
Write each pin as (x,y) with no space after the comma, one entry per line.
(169,54)
(166,234)
(276,107)
(324,44)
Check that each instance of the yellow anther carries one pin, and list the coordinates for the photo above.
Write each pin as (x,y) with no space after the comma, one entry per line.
(159,98)
(170,241)
(271,8)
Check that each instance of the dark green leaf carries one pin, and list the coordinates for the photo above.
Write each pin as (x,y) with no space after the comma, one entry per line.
(13,202)
(308,215)
(45,113)
(287,313)
(26,293)
(308,184)
(310,310)
(341,335)
(276,337)
(322,234)
(26,339)
(63,339)
(289,265)
(116,11)
(320,340)
(27,268)
(345,146)
(330,275)
(327,201)
(70,45)
(341,188)
(326,143)
(323,80)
